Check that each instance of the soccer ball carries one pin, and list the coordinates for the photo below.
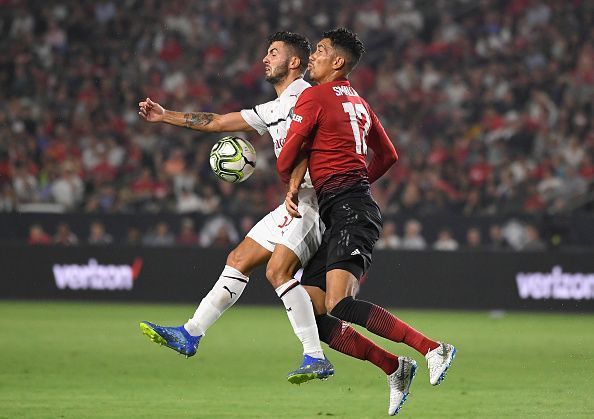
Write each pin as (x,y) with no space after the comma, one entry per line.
(233,159)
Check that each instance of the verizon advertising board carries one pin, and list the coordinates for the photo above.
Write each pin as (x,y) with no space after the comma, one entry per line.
(555,285)
(95,276)
(483,280)
(562,281)
(117,273)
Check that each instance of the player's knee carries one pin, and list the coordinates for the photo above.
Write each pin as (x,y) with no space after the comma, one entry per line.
(331,302)
(236,259)
(277,275)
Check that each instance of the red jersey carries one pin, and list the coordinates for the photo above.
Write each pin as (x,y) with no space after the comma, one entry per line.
(336,125)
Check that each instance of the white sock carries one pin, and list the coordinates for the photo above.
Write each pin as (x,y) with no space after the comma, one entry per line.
(301,315)
(225,292)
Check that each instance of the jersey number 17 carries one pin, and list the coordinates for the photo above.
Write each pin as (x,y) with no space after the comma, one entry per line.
(357,111)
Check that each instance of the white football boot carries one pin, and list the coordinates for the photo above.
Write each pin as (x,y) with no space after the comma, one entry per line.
(399,382)
(438,362)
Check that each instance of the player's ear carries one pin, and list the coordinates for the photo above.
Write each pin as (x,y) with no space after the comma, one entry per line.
(294,63)
(338,63)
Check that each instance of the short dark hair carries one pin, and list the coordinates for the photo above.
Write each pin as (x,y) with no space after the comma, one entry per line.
(349,42)
(298,43)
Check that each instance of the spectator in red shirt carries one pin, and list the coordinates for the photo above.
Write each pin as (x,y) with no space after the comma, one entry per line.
(38,236)
(480,171)
(143,187)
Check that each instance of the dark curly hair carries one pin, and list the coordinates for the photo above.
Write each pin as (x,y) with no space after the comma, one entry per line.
(347,41)
(299,45)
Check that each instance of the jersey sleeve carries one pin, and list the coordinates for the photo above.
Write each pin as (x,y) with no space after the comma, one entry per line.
(286,159)
(252,117)
(305,114)
(384,153)
(304,120)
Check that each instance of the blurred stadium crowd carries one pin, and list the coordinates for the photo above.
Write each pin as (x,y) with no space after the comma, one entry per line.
(220,231)
(490,104)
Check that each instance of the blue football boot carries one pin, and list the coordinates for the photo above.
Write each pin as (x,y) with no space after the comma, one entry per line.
(310,369)
(176,338)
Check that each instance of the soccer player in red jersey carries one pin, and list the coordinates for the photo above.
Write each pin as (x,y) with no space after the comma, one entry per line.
(331,130)
(282,247)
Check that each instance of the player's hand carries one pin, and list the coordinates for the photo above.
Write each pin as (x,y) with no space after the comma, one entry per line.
(151,111)
(292,203)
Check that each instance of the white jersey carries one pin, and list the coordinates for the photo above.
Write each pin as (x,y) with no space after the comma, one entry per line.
(302,235)
(275,117)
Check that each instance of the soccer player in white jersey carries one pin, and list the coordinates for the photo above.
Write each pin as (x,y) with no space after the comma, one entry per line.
(284,243)
(285,64)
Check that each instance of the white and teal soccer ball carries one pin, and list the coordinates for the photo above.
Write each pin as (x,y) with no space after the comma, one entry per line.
(233,159)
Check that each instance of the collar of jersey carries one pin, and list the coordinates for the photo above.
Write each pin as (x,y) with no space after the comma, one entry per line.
(294,88)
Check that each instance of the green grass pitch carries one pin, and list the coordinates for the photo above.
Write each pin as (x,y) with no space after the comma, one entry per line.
(90,360)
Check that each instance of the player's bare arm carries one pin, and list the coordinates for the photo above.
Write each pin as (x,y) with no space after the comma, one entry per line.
(200,121)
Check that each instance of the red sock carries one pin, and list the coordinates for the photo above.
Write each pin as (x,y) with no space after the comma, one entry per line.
(347,340)
(381,322)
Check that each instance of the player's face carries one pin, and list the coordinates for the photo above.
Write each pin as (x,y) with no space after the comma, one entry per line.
(276,63)
(320,62)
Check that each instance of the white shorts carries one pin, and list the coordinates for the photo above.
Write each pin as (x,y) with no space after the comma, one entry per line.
(302,235)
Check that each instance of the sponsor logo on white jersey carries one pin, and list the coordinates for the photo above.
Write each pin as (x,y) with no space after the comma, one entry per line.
(278,144)
(555,285)
(94,276)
